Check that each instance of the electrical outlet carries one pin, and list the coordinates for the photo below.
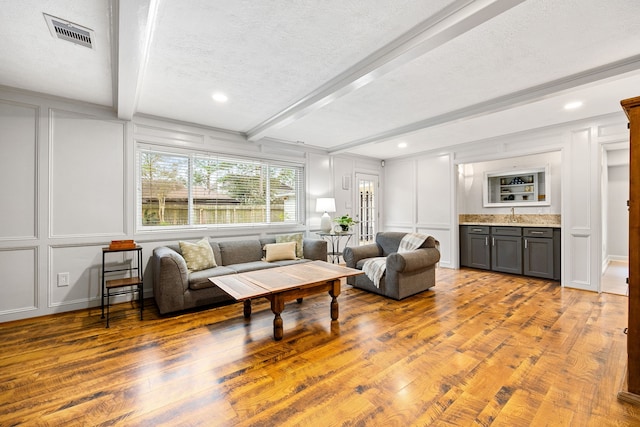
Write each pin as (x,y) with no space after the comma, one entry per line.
(63,279)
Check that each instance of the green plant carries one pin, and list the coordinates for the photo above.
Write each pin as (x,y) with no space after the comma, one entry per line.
(345,221)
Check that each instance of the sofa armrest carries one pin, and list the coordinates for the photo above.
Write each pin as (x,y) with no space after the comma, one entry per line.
(414,260)
(353,254)
(170,279)
(315,249)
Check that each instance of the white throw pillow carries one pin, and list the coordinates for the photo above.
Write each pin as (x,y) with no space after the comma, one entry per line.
(280,251)
(296,237)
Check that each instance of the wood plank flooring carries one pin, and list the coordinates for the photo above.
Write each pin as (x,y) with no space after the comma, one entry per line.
(478,349)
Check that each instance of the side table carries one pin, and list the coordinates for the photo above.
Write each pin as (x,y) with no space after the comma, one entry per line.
(115,286)
(334,240)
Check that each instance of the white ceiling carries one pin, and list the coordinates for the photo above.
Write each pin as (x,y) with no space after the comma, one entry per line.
(347,76)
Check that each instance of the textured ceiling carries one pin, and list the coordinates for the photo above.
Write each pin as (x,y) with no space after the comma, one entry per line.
(344,76)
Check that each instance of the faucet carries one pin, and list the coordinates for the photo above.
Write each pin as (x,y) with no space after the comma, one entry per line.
(513,214)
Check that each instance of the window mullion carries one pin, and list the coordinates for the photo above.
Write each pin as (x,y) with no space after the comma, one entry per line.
(267,195)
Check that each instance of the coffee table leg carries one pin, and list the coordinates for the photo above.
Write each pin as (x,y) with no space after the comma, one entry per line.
(334,292)
(277,306)
(247,308)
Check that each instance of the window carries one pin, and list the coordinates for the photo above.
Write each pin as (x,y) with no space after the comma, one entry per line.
(195,189)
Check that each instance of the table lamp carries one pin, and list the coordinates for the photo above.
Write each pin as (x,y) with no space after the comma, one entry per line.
(326,205)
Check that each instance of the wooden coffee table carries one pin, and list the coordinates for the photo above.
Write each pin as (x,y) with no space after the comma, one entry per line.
(282,284)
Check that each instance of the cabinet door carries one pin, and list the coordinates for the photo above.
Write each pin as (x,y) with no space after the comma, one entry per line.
(506,254)
(478,251)
(538,257)
(464,246)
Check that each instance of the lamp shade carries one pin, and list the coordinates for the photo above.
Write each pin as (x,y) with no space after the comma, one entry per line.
(325,204)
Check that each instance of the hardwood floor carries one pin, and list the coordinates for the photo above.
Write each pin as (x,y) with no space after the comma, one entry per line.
(479,348)
(614,279)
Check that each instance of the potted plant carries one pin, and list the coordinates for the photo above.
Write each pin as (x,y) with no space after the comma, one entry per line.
(345,221)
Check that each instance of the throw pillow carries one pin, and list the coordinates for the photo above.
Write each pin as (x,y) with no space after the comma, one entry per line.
(199,255)
(280,251)
(297,237)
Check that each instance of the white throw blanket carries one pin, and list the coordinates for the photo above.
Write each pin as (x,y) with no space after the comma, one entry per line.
(374,268)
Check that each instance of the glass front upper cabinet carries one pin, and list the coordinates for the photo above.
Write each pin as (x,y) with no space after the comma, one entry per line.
(527,187)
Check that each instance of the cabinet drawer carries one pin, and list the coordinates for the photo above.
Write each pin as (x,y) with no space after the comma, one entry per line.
(506,231)
(538,232)
(477,229)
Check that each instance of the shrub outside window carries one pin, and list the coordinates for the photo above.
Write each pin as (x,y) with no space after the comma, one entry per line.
(196,189)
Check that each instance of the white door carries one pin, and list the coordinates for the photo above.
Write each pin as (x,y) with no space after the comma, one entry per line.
(367,207)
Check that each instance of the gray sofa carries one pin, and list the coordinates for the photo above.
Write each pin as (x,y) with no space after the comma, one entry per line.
(175,288)
(406,274)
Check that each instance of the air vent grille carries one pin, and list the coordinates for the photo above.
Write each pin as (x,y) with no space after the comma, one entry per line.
(69,31)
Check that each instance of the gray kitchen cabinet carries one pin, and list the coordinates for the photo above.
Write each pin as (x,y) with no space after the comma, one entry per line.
(529,251)
(506,249)
(475,250)
(539,253)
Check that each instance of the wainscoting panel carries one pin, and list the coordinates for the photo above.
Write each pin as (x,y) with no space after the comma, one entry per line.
(400,192)
(434,190)
(442,235)
(18,289)
(84,265)
(18,170)
(580,180)
(580,250)
(87,175)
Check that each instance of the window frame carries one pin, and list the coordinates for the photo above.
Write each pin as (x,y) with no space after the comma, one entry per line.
(193,154)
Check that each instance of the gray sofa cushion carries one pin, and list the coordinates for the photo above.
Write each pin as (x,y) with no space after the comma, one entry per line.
(289,262)
(200,279)
(240,251)
(250,266)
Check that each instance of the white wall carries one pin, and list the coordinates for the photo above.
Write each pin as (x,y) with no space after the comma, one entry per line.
(69,188)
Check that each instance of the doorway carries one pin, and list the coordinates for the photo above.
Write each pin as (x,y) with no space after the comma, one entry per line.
(615,219)
(367,210)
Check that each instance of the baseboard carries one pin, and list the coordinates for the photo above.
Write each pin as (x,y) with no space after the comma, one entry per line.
(624,258)
(624,394)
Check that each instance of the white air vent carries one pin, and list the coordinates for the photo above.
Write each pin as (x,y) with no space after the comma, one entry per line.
(69,31)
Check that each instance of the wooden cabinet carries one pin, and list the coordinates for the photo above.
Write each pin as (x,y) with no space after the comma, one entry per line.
(506,249)
(529,251)
(632,109)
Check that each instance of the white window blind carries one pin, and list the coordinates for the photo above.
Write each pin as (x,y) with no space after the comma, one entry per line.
(196,189)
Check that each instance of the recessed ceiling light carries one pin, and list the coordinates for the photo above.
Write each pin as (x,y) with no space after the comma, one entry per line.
(220,97)
(573,105)
(402,145)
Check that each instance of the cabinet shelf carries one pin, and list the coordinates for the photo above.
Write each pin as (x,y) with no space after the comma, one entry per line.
(517,188)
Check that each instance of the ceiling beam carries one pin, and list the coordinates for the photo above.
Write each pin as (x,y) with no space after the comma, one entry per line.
(456,19)
(135,25)
(501,103)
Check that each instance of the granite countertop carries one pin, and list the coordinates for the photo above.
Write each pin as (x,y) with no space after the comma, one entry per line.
(517,220)
(512,224)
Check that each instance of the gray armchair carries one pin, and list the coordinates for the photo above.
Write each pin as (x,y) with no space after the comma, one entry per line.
(406,273)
